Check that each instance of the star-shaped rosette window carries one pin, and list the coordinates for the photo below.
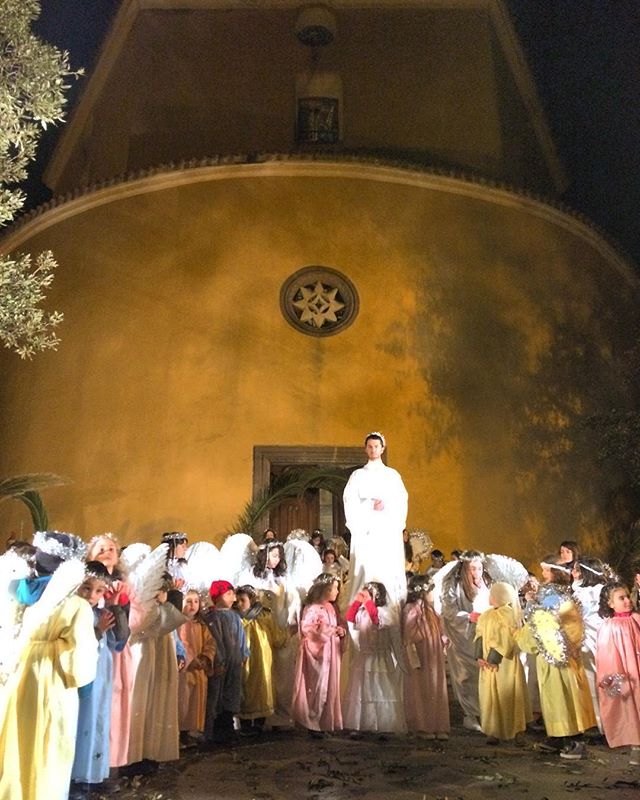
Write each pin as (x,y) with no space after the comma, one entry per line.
(319,301)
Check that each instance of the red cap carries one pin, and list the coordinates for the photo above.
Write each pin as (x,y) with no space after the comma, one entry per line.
(218,588)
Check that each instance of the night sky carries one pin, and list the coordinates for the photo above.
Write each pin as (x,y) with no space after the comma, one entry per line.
(585,57)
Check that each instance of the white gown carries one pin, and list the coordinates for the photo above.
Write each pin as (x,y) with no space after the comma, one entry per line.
(377,549)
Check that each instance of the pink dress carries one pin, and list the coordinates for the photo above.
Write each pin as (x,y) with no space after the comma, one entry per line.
(618,654)
(123,677)
(426,701)
(316,693)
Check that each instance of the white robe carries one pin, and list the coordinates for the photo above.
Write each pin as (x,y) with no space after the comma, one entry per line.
(377,549)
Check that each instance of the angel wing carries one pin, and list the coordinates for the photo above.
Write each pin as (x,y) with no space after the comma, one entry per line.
(146,575)
(506,569)
(64,582)
(133,555)
(236,557)
(204,564)
(438,579)
(12,568)
(303,563)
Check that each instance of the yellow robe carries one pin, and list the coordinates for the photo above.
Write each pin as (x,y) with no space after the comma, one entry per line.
(39,705)
(504,699)
(258,695)
(565,699)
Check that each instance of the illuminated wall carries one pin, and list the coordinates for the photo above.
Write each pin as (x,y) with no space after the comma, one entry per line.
(485,332)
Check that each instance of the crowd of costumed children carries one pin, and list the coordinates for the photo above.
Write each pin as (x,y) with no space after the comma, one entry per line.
(119,658)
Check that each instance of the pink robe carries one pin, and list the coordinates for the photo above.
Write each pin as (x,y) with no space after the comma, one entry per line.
(123,677)
(426,701)
(316,693)
(618,653)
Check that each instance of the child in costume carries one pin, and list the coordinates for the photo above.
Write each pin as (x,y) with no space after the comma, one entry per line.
(374,696)
(316,693)
(263,636)
(554,630)
(426,701)
(618,669)
(504,698)
(91,763)
(589,576)
(224,692)
(154,733)
(200,651)
(56,653)
(105,548)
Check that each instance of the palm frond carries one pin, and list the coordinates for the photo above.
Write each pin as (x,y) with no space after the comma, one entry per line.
(31,482)
(292,482)
(38,512)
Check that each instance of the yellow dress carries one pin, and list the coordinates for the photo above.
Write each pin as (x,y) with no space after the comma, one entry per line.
(565,699)
(257,681)
(39,705)
(504,699)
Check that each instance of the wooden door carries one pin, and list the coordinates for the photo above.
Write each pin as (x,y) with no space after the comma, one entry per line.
(296,512)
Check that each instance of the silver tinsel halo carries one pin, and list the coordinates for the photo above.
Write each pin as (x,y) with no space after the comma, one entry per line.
(76,548)
(298,533)
(543,617)
(421,543)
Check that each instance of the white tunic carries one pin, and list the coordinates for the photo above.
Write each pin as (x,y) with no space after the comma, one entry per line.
(377,549)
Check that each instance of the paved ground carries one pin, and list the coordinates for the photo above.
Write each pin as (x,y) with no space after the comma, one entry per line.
(292,766)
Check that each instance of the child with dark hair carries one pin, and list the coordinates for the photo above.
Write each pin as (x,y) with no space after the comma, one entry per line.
(589,576)
(554,630)
(635,586)
(224,693)
(568,553)
(316,694)
(263,635)
(91,763)
(618,669)
(374,696)
(426,701)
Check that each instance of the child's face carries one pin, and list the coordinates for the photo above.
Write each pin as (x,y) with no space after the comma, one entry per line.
(333,592)
(636,579)
(227,599)
(105,550)
(161,597)
(329,558)
(575,572)
(92,590)
(566,554)
(273,558)
(180,549)
(475,569)
(243,603)
(191,605)
(620,601)
(547,577)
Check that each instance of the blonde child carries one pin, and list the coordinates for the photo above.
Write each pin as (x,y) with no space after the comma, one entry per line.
(200,651)
(504,699)
(426,701)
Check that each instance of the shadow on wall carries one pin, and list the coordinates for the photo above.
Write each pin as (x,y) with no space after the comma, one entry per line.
(516,361)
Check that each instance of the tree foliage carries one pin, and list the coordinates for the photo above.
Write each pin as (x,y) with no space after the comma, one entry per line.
(33,81)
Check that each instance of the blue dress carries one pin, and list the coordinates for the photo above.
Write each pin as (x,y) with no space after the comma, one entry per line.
(91,763)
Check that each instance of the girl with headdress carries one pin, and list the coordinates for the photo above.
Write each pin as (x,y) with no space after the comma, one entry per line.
(554,630)
(106,550)
(465,595)
(56,655)
(200,651)
(176,561)
(504,699)
(589,576)
(618,669)
(374,695)
(91,763)
(426,701)
(316,693)
(263,635)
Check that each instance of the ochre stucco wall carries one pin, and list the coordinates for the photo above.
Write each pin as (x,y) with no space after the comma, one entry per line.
(486,328)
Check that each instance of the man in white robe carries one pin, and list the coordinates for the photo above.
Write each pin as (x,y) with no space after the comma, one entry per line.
(375,505)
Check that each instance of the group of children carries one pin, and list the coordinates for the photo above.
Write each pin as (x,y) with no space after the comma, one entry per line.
(131,669)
